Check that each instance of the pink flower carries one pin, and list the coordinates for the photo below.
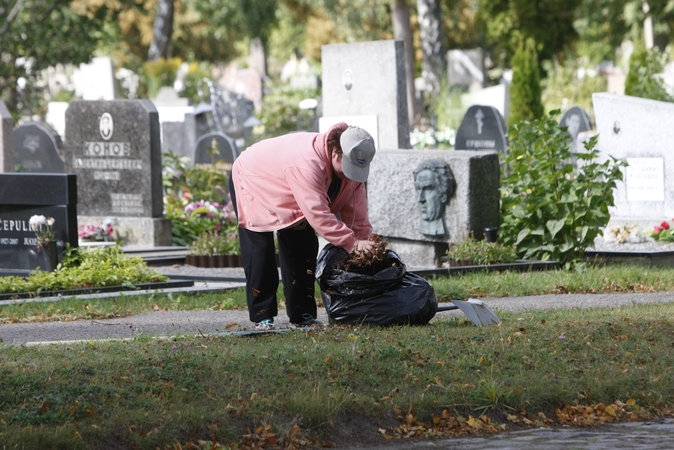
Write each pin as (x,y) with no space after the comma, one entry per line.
(657,229)
(665,225)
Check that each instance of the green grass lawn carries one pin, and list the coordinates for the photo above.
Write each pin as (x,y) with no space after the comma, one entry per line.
(345,384)
(447,378)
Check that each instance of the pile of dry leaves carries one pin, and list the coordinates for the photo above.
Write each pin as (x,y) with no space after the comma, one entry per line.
(367,264)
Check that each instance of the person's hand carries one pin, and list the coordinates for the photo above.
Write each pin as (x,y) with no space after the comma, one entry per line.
(366,247)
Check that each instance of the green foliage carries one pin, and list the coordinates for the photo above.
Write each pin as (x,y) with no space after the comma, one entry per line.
(482,252)
(41,34)
(216,243)
(85,267)
(158,73)
(525,90)
(548,210)
(281,113)
(506,21)
(195,73)
(195,199)
(563,87)
(641,80)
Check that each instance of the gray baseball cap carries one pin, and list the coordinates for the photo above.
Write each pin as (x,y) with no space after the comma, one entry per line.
(358,151)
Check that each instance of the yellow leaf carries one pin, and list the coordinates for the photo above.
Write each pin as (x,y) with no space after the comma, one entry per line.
(611,411)
(473,422)
(631,402)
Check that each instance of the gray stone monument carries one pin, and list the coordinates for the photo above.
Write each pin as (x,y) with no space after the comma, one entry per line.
(37,149)
(467,205)
(482,128)
(367,79)
(114,148)
(6,140)
(641,131)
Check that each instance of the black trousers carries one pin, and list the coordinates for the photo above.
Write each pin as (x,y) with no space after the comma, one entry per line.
(298,248)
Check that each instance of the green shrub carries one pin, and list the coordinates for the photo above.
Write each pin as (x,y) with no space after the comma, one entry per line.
(482,252)
(548,209)
(158,73)
(86,267)
(214,243)
(563,88)
(641,80)
(281,113)
(525,90)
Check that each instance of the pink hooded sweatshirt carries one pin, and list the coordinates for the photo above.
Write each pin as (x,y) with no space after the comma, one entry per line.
(281,181)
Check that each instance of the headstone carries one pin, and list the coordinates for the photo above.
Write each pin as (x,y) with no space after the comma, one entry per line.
(215,148)
(577,121)
(246,82)
(368,78)
(230,113)
(25,195)
(497,96)
(114,148)
(6,140)
(96,80)
(37,149)
(396,205)
(466,68)
(168,96)
(641,131)
(482,128)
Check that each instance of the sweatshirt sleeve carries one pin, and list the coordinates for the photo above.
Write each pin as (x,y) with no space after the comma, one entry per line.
(309,191)
(354,213)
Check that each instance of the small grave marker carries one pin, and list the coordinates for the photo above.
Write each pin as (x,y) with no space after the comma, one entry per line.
(36,148)
(482,128)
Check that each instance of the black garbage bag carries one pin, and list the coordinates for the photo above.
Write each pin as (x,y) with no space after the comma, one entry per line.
(391,296)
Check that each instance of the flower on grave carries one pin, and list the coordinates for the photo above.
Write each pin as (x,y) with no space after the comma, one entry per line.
(102,232)
(657,229)
(42,226)
(664,225)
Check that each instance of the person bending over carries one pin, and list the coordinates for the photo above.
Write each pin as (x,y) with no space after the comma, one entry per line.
(298,185)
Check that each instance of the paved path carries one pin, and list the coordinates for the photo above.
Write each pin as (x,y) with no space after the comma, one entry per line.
(171,323)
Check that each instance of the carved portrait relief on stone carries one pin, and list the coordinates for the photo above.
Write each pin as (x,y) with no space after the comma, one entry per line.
(434,184)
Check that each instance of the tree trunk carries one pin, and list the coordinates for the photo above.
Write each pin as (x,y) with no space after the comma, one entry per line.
(258,57)
(402,31)
(434,65)
(163,29)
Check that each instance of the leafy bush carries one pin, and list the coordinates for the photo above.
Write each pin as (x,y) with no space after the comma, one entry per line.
(525,90)
(281,113)
(214,243)
(482,252)
(565,87)
(548,209)
(86,267)
(158,73)
(195,200)
(641,79)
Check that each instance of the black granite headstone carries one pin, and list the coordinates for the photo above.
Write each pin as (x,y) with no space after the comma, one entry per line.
(36,149)
(215,148)
(114,148)
(576,120)
(482,128)
(23,195)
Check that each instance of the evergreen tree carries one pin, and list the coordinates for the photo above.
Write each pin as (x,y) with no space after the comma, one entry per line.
(525,91)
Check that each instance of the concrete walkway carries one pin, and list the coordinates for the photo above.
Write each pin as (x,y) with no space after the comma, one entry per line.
(171,323)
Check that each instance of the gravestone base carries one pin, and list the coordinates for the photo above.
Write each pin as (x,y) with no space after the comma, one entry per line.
(135,231)
(418,254)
